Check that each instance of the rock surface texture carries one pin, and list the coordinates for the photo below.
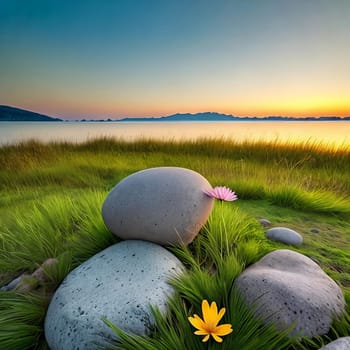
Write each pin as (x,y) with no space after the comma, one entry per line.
(118,283)
(289,287)
(339,344)
(164,205)
(284,235)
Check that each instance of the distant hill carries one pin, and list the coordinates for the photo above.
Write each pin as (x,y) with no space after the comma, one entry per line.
(211,116)
(12,114)
(206,116)
(200,117)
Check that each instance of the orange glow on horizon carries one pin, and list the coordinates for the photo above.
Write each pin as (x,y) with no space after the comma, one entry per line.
(106,109)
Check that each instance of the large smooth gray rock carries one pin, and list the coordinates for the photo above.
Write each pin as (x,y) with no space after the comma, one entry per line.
(339,344)
(164,205)
(289,287)
(285,235)
(118,283)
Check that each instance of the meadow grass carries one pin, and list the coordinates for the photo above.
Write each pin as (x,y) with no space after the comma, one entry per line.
(50,207)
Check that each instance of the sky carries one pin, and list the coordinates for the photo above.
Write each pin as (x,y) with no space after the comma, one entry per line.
(135,58)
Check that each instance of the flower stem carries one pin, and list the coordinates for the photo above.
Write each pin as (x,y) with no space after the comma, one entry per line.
(222,230)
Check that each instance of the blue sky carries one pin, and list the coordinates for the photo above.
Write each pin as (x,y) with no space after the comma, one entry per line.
(150,58)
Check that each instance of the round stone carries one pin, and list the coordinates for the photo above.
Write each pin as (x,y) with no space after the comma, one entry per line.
(119,283)
(290,289)
(164,205)
(284,235)
(265,222)
(338,344)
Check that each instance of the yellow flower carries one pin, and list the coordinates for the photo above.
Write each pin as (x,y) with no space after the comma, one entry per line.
(208,326)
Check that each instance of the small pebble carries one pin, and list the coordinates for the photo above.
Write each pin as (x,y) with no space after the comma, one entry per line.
(12,285)
(265,222)
(285,235)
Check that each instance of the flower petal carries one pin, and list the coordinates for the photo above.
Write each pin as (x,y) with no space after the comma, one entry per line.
(222,193)
(197,322)
(221,314)
(216,338)
(205,310)
(223,329)
(206,338)
(213,309)
(210,193)
(201,332)
(210,317)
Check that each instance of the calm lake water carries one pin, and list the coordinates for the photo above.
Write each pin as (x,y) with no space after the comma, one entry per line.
(328,133)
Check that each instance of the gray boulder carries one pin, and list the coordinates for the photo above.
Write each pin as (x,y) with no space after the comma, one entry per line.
(339,344)
(118,283)
(284,235)
(287,288)
(164,205)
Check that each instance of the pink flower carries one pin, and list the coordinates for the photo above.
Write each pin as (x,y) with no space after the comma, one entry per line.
(222,193)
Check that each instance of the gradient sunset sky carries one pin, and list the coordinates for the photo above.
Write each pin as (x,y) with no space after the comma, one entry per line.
(119,58)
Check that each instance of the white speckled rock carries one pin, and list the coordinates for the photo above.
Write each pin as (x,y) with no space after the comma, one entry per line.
(118,283)
(285,235)
(164,205)
(289,287)
(339,344)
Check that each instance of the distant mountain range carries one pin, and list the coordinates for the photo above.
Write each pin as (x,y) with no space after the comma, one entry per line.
(11,114)
(8,113)
(207,116)
(212,116)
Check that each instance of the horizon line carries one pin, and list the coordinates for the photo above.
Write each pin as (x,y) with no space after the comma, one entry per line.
(185,113)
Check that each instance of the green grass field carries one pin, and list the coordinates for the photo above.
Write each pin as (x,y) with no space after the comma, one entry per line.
(50,207)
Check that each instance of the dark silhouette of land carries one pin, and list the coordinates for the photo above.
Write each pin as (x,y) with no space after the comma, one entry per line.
(8,113)
(12,114)
(212,116)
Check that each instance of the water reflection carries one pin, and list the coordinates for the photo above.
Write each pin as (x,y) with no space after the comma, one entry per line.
(328,133)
